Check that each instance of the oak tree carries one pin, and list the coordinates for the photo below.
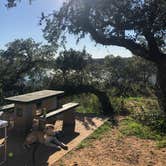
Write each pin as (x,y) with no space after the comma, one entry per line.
(138,25)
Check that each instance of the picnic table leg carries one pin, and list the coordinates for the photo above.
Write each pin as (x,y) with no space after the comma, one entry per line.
(69,121)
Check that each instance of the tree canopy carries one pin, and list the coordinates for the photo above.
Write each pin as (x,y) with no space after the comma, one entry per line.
(72,60)
(13,3)
(138,25)
(21,60)
(134,24)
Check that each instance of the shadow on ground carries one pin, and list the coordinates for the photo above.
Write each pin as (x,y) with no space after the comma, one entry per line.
(22,157)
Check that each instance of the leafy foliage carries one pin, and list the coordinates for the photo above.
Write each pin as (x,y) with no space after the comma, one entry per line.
(131,127)
(136,25)
(89,103)
(162,143)
(72,60)
(23,60)
(73,65)
(121,23)
(131,76)
(143,111)
(13,3)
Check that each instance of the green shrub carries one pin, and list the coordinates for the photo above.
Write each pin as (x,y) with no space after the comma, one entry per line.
(147,112)
(89,103)
(153,118)
(162,143)
(131,127)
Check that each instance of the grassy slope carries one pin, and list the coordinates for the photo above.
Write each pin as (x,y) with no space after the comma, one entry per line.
(128,126)
(140,111)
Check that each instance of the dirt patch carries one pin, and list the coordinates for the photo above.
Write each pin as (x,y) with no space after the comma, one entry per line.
(118,150)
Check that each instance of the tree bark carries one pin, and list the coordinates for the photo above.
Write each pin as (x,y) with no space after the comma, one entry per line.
(161,85)
(105,103)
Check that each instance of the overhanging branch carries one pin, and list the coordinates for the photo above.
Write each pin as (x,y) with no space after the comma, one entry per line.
(135,48)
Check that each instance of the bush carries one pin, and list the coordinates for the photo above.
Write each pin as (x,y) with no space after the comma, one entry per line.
(162,143)
(153,118)
(146,112)
(130,127)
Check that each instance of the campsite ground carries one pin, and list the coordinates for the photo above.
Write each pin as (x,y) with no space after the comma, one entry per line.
(115,148)
(130,143)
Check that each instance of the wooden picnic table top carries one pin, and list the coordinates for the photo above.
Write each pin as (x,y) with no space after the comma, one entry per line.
(7,107)
(35,96)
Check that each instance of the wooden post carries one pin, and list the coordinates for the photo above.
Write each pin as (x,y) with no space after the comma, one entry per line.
(69,121)
(24,117)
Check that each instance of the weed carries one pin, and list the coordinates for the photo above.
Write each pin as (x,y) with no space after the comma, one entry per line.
(131,127)
(162,143)
(97,134)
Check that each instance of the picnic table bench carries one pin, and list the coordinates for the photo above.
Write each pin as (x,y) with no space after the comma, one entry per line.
(65,107)
(7,107)
(68,116)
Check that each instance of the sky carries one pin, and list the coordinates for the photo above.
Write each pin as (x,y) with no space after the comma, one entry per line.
(23,22)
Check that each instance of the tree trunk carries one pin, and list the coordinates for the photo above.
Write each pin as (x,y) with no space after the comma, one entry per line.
(104,100)
(105,103)
(161,85)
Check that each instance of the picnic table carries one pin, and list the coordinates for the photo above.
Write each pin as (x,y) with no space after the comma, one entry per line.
(27,104)
(23,111)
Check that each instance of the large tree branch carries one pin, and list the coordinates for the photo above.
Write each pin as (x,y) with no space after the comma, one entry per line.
(153,47)
(134,47)
(104,100)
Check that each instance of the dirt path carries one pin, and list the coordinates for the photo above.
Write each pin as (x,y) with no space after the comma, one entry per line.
(113,149)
